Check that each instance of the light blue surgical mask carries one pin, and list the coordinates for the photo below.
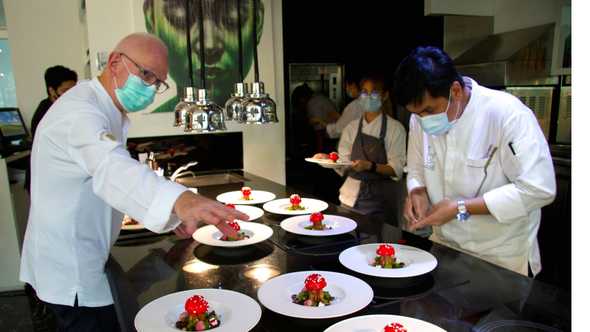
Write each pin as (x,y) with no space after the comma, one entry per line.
(437,124)
(370,103)
(135,95)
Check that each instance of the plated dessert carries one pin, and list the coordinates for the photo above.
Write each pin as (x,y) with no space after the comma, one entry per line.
(246,192)
(386,258)
(333,156)
(295,201)
(316,222)
(197,316)
(313,294)
(241,235)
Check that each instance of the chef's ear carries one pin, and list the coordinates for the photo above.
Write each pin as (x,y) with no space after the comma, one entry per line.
(148,14)
(456,89)
(385,95)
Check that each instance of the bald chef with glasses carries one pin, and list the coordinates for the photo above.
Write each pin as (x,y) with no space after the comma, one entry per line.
(83,180)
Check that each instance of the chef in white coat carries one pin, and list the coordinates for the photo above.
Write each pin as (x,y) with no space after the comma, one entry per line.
(375,143)
(479,167)
(83,179)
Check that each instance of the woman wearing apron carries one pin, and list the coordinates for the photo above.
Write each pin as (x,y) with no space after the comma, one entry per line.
(376,146)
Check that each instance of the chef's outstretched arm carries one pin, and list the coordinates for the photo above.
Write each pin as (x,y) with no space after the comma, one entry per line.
(131,187)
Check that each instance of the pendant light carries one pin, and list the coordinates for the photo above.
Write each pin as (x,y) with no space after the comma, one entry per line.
(234,107)
(184,106)
(259,108)
(204,115)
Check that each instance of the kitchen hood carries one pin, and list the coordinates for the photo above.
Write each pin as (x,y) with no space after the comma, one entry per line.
(520,57)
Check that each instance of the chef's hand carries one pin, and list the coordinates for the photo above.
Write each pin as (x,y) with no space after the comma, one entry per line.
(192,208)
(441,213)
(182,232)
(417,205)
(361,165)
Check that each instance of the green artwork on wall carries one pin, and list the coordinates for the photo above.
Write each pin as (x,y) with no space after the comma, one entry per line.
(167,20)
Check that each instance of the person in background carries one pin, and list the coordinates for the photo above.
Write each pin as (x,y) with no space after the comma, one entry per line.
(479,167)
(321,111)
(84,180)
(58,80)
(376,145)
(352,110)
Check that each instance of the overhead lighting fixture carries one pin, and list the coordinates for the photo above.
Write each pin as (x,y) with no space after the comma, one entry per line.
(234,106)
(259,108)
(181,109)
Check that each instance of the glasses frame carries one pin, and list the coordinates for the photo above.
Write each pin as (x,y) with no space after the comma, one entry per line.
(145,73)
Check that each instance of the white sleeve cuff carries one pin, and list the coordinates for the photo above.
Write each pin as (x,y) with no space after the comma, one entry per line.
(505,203)
(413,183)
(158,218)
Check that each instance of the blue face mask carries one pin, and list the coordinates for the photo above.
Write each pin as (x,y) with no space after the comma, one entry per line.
(370,103)
(135,95)
(437,124)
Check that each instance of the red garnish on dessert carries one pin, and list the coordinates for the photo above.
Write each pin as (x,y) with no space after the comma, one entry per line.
(316,217)
(246,192)
(395,327)
(333,156)
(196,305)
(231,206)
(385,250)
(295,199)
(315,282)
(234,225)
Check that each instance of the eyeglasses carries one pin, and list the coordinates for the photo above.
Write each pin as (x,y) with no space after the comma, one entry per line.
(373,94)
(149,78)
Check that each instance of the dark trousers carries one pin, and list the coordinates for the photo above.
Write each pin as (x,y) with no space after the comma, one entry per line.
(84,319)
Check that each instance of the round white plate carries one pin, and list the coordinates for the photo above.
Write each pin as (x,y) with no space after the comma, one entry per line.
(376,323)
(339,225)
(236,197)
(351,295)
(417,261)
(236,311)
(210,235)
(328,163)
(252,211)
(280,206)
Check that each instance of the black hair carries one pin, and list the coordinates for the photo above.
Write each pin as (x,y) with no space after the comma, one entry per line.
(56,75)
(425,69)
(375,77)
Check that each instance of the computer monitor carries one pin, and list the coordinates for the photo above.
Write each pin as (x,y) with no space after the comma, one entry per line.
(13,132)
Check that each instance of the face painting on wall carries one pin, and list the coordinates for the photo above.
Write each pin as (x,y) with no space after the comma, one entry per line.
(167,20)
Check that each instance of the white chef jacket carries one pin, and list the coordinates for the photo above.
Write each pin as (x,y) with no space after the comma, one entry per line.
(518,184)
(395,146)
(83,179)
(352,111)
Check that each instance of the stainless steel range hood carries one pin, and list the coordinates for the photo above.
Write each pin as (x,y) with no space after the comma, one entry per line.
(520,57)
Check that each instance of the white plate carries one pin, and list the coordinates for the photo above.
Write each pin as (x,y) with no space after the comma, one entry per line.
(417,261)
(376,323)
(236,311)
(210,235)
(340,225)
(235,197)
(328,163)
(280,206)
(351,295)
(252,211)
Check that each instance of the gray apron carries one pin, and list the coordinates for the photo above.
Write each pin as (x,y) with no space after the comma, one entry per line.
(377,195)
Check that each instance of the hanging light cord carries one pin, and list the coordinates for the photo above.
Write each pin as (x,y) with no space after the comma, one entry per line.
(202,43)
(254,36)
(189,50)
(240,51)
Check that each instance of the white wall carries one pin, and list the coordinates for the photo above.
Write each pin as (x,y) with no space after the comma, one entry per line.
(42,34)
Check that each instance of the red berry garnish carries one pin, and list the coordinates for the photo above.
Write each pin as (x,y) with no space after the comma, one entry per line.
(316,217)
(385,250)
(234,225)
(333,156)
(315,282)
(395,327)
(295,199)
(196,305)
(231,206)
(246,191)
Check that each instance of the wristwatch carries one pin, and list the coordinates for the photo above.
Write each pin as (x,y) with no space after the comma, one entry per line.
(373,168)
(462,214)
